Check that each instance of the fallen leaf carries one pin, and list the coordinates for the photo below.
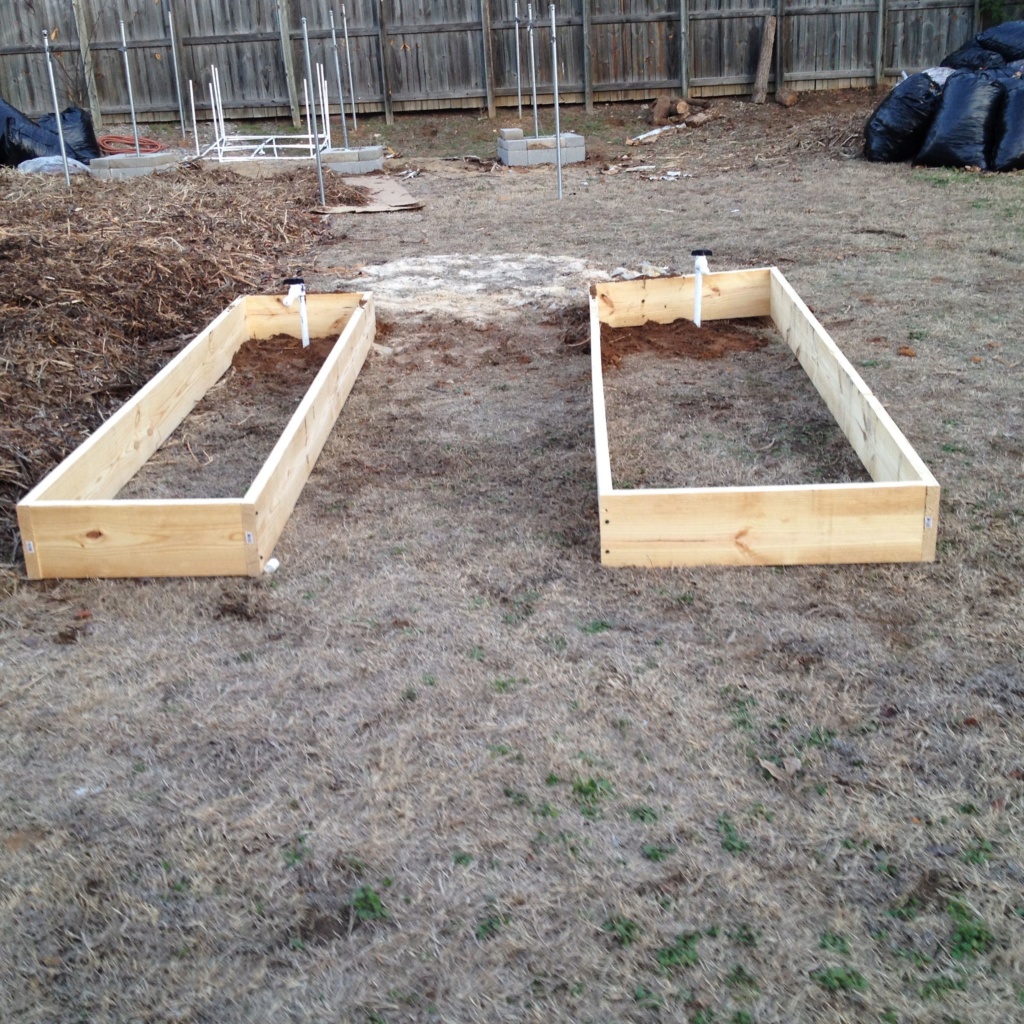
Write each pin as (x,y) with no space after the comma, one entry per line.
(906,350)
(976,359)
(83,613)
(792,765)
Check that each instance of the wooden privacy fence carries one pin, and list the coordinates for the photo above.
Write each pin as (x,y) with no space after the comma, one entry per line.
(438,54)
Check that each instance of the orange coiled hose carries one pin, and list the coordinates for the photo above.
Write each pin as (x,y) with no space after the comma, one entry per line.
(114,145)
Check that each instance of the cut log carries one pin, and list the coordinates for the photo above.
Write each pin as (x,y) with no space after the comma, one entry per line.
(764,60)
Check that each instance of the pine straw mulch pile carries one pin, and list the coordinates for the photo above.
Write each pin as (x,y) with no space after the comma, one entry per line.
(102,287)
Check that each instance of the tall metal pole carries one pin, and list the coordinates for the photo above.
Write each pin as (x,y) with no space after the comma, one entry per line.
(341,88)
(533,69)
(56,109)
(348,60)
(174,64)
(519,65)
(316,131)
(554,80)
(131,95)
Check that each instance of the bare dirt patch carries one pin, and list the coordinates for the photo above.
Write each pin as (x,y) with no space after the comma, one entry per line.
(220,446)
(442,766)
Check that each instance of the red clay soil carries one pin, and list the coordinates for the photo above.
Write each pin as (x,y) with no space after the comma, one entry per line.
(684,339)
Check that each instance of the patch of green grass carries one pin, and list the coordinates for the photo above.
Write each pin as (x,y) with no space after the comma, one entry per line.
(490,925)
(839,979)
(742,1017)
(462,858)
(682,952)
(475,653)
(938,985)
(657,852)
(745,935)
(297,852)
(644,814)
(546,810)
(740,978)
(906,911)
(590,791)
(740,707)
(647,999)
(622,929)
(517,796)
(596,626)
(731,841)
(817,737)
(409,694)
(979,852)
(836,942)
(971,936)
(506,685)
(367,905)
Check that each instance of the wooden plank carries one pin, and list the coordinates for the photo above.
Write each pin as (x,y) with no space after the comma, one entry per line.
(487,40)
(813,524)
(276,489)
(115,452)
(84,43)
(134,538)
(588,58)
(385,63)
(764,60)
(734,293)
(284,27)
(885,452)
(266,316)
(601,449)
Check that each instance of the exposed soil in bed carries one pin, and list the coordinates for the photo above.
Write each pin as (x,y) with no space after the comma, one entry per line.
(218,449)
(723,404)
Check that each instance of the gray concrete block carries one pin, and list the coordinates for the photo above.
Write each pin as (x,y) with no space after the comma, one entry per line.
(514,159)
(360,153)
(510,133)
(128,165)
(513,145)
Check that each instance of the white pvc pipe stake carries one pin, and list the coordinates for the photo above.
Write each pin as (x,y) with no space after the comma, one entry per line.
(700,268)
(297,290)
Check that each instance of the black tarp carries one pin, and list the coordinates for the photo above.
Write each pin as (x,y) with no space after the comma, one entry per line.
(21,138)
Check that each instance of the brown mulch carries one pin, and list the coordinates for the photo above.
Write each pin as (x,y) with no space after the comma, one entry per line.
(101,288)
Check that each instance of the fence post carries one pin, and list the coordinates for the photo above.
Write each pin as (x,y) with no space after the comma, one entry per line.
(385,71)
(284,25)
(85,45)
(880,44)
(588,59)
(780,35)
(488,41)
(684,49)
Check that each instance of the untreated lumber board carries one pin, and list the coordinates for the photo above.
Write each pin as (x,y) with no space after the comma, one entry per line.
(73,525)
(892,519)
(664,299)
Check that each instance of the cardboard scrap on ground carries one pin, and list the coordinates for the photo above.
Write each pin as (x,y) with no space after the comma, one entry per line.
(386,196)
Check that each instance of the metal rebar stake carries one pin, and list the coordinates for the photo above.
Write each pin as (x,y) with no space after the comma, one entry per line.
(533,70)
(56,109)
(554,81)
(192,104)
(341,88)
(177,73)
(348,61)
(131,95)
(315,135)
(519,64)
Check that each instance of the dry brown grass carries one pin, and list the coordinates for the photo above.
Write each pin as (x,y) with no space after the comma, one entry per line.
(442,695)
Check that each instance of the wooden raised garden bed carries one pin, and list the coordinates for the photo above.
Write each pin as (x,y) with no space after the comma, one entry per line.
(892,518)
(73,525)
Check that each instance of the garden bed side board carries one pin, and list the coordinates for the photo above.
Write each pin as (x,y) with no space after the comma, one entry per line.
(72,524)
(894,518)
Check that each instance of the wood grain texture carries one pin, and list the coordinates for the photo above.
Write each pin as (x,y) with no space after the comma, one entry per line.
(814,524)
(735,293)
(71,526)
(277,487)
(136,538)
(892,519)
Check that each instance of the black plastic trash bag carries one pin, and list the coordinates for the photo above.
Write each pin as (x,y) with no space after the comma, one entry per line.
(965,125)
(1007,39)
(23,139)
(974,57)
(1008,154)
(900,122)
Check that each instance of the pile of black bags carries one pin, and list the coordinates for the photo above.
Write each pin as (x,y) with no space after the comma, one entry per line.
(22,139)
(968,112)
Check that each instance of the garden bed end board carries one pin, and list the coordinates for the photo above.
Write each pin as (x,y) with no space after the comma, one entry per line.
(894,518)
(72,524)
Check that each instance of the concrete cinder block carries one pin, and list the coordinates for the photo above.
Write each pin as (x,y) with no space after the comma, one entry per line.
(513,145)
(333,156)
(510,133)
(514,159)
(128,165)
